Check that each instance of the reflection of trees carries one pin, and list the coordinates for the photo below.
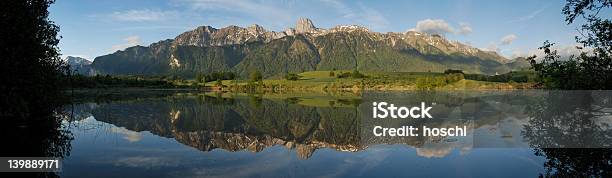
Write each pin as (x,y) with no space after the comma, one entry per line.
(44,138)
(252,122)
(32,78)
(243,123)
(576,162)
(41,139)
(563,121)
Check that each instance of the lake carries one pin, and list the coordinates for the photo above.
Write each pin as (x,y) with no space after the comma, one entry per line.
(523,133)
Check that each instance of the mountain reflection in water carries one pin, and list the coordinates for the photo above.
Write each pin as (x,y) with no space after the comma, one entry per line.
(244,123)
(503,123)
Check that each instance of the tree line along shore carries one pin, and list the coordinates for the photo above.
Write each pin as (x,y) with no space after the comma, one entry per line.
(336,80)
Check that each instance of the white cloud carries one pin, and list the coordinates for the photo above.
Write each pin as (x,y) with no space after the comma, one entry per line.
(564,51)
(508,39)
(433,153)
(569,50)
(434,26)
(464,29)
(128,135)
(517,53)
(443,148)
(441,27)
(491,47)
(129,41)
(143,15)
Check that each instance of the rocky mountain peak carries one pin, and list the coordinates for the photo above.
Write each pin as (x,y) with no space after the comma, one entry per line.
(348,28)
(206,29)
(256,29)
(79,65)
(72,60)
(304,25)
(317,47)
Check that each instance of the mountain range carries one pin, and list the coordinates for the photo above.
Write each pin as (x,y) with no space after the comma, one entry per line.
(79,65)
(303,48)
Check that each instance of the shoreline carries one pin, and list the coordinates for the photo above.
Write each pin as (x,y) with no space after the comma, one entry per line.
(499,87)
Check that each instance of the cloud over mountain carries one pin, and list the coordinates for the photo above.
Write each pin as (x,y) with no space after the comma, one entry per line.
(434,26)
(441,27)
(464,29)
(508,39)
(129,41)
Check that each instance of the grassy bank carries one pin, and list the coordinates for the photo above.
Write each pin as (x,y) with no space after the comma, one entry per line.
(330,81)
(322,81)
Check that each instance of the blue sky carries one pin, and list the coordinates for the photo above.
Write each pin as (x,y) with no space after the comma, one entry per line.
(92,28)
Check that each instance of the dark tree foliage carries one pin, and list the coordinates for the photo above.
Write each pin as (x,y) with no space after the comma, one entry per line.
(344,75)
(574,162)
(31,83)
(214,76)
(31,67)
(564,129)
(219,82)
(255,75)
(108,81)
(452,71)
(587,70)
(200,77)
(357,74)
(520,77)
(292,76)
(354,74)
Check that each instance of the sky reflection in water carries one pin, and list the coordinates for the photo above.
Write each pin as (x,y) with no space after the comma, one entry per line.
(194,135)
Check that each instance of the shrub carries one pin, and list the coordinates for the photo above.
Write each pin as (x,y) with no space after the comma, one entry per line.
(454,77)
(214,76)
(357,74)
(255,75)
(219,83)
(200,78)
(452,71)
(292,76)
(344,75)
(427,83)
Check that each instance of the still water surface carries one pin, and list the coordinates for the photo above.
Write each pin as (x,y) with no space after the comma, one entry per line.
(187,134)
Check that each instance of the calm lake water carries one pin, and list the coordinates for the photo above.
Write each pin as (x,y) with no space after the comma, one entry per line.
(184,134)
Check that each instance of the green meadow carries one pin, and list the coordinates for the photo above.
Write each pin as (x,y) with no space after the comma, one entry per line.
(321,81)
(342,80)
